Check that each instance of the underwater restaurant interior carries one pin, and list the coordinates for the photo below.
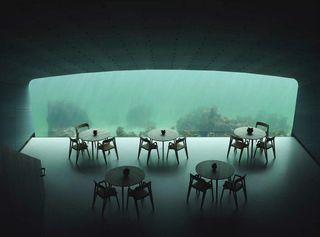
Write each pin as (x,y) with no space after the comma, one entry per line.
(169,118)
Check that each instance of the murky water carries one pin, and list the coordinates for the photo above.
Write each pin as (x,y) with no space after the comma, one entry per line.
(196,103)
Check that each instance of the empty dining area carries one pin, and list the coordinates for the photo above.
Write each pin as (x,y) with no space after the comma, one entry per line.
(281,195)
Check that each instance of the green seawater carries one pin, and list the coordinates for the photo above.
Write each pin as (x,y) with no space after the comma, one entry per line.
(129,103)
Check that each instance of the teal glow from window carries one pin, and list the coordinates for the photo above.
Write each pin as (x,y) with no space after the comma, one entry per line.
(196,103)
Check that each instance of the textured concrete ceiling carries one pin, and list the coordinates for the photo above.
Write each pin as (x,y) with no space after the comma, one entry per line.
(40,38)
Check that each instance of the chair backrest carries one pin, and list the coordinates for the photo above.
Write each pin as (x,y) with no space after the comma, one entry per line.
(264,125)
(181,139)
(144,139)
(109,139)
(144,185)
(98,186)
(196,178)
(80,126)
(74,140)
(239,179)
(232,137)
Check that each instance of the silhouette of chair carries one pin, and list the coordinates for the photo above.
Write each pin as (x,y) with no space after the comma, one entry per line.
(146,144)
(237,183)
(200,185)
(238,143)
(77,145)
(81,127)
(104,191)
(265,145)
(140,193)
(107,145)
(264,126)
(177,145)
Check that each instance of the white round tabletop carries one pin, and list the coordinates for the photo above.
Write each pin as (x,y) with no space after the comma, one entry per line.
(256,134)
(155,134)
(87,135)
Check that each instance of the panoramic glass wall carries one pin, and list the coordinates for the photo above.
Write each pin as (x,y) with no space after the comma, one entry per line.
(130,103)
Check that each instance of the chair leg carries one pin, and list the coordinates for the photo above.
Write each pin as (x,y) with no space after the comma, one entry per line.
(203,197)
(104,156)
(88,153)
(149,152)
(158,153)
(221,195)
(189,190)
(177,156)
(127,201)
(167,153)
(151,199)
(118,201)
(228,151)
(77,156)
(137,209)
(245,192)
(266,154)
(240,155)
(139,151)
(70,150)
(186,149)
(103,206)
(94,198)
(235,198)
(116,150)
(274,152)
(255,151)
(212,195)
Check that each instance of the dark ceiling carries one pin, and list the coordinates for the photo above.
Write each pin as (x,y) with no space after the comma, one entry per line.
(40,38)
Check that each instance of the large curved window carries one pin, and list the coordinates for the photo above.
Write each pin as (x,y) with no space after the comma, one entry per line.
(129,103)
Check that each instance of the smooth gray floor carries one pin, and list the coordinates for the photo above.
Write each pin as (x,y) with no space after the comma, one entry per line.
(283,196)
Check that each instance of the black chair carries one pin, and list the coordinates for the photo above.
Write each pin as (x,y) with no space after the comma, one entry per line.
(237,183)
(104,191)
(177,145)
(238,143)
(265,145)
(200,185)
(81,127)
(146,144)
(140,193)
(264,126)
(77,145)
(107,145)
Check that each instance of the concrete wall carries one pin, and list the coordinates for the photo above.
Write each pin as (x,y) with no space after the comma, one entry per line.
(22,194)
(16,124)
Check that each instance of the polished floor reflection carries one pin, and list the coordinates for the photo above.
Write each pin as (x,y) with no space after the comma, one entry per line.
(283,196)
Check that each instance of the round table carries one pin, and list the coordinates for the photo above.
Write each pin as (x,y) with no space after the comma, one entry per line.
(223,171)
(87,135)
(155,134)
(116,177)
(256,134)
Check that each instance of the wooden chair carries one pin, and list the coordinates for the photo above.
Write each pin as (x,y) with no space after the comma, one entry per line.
(177,145)
(140,193)
(104,191)
(146,144)
(200,185)
(107,145)
(237,183)
(238,143)
(265,145)
(77,145)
